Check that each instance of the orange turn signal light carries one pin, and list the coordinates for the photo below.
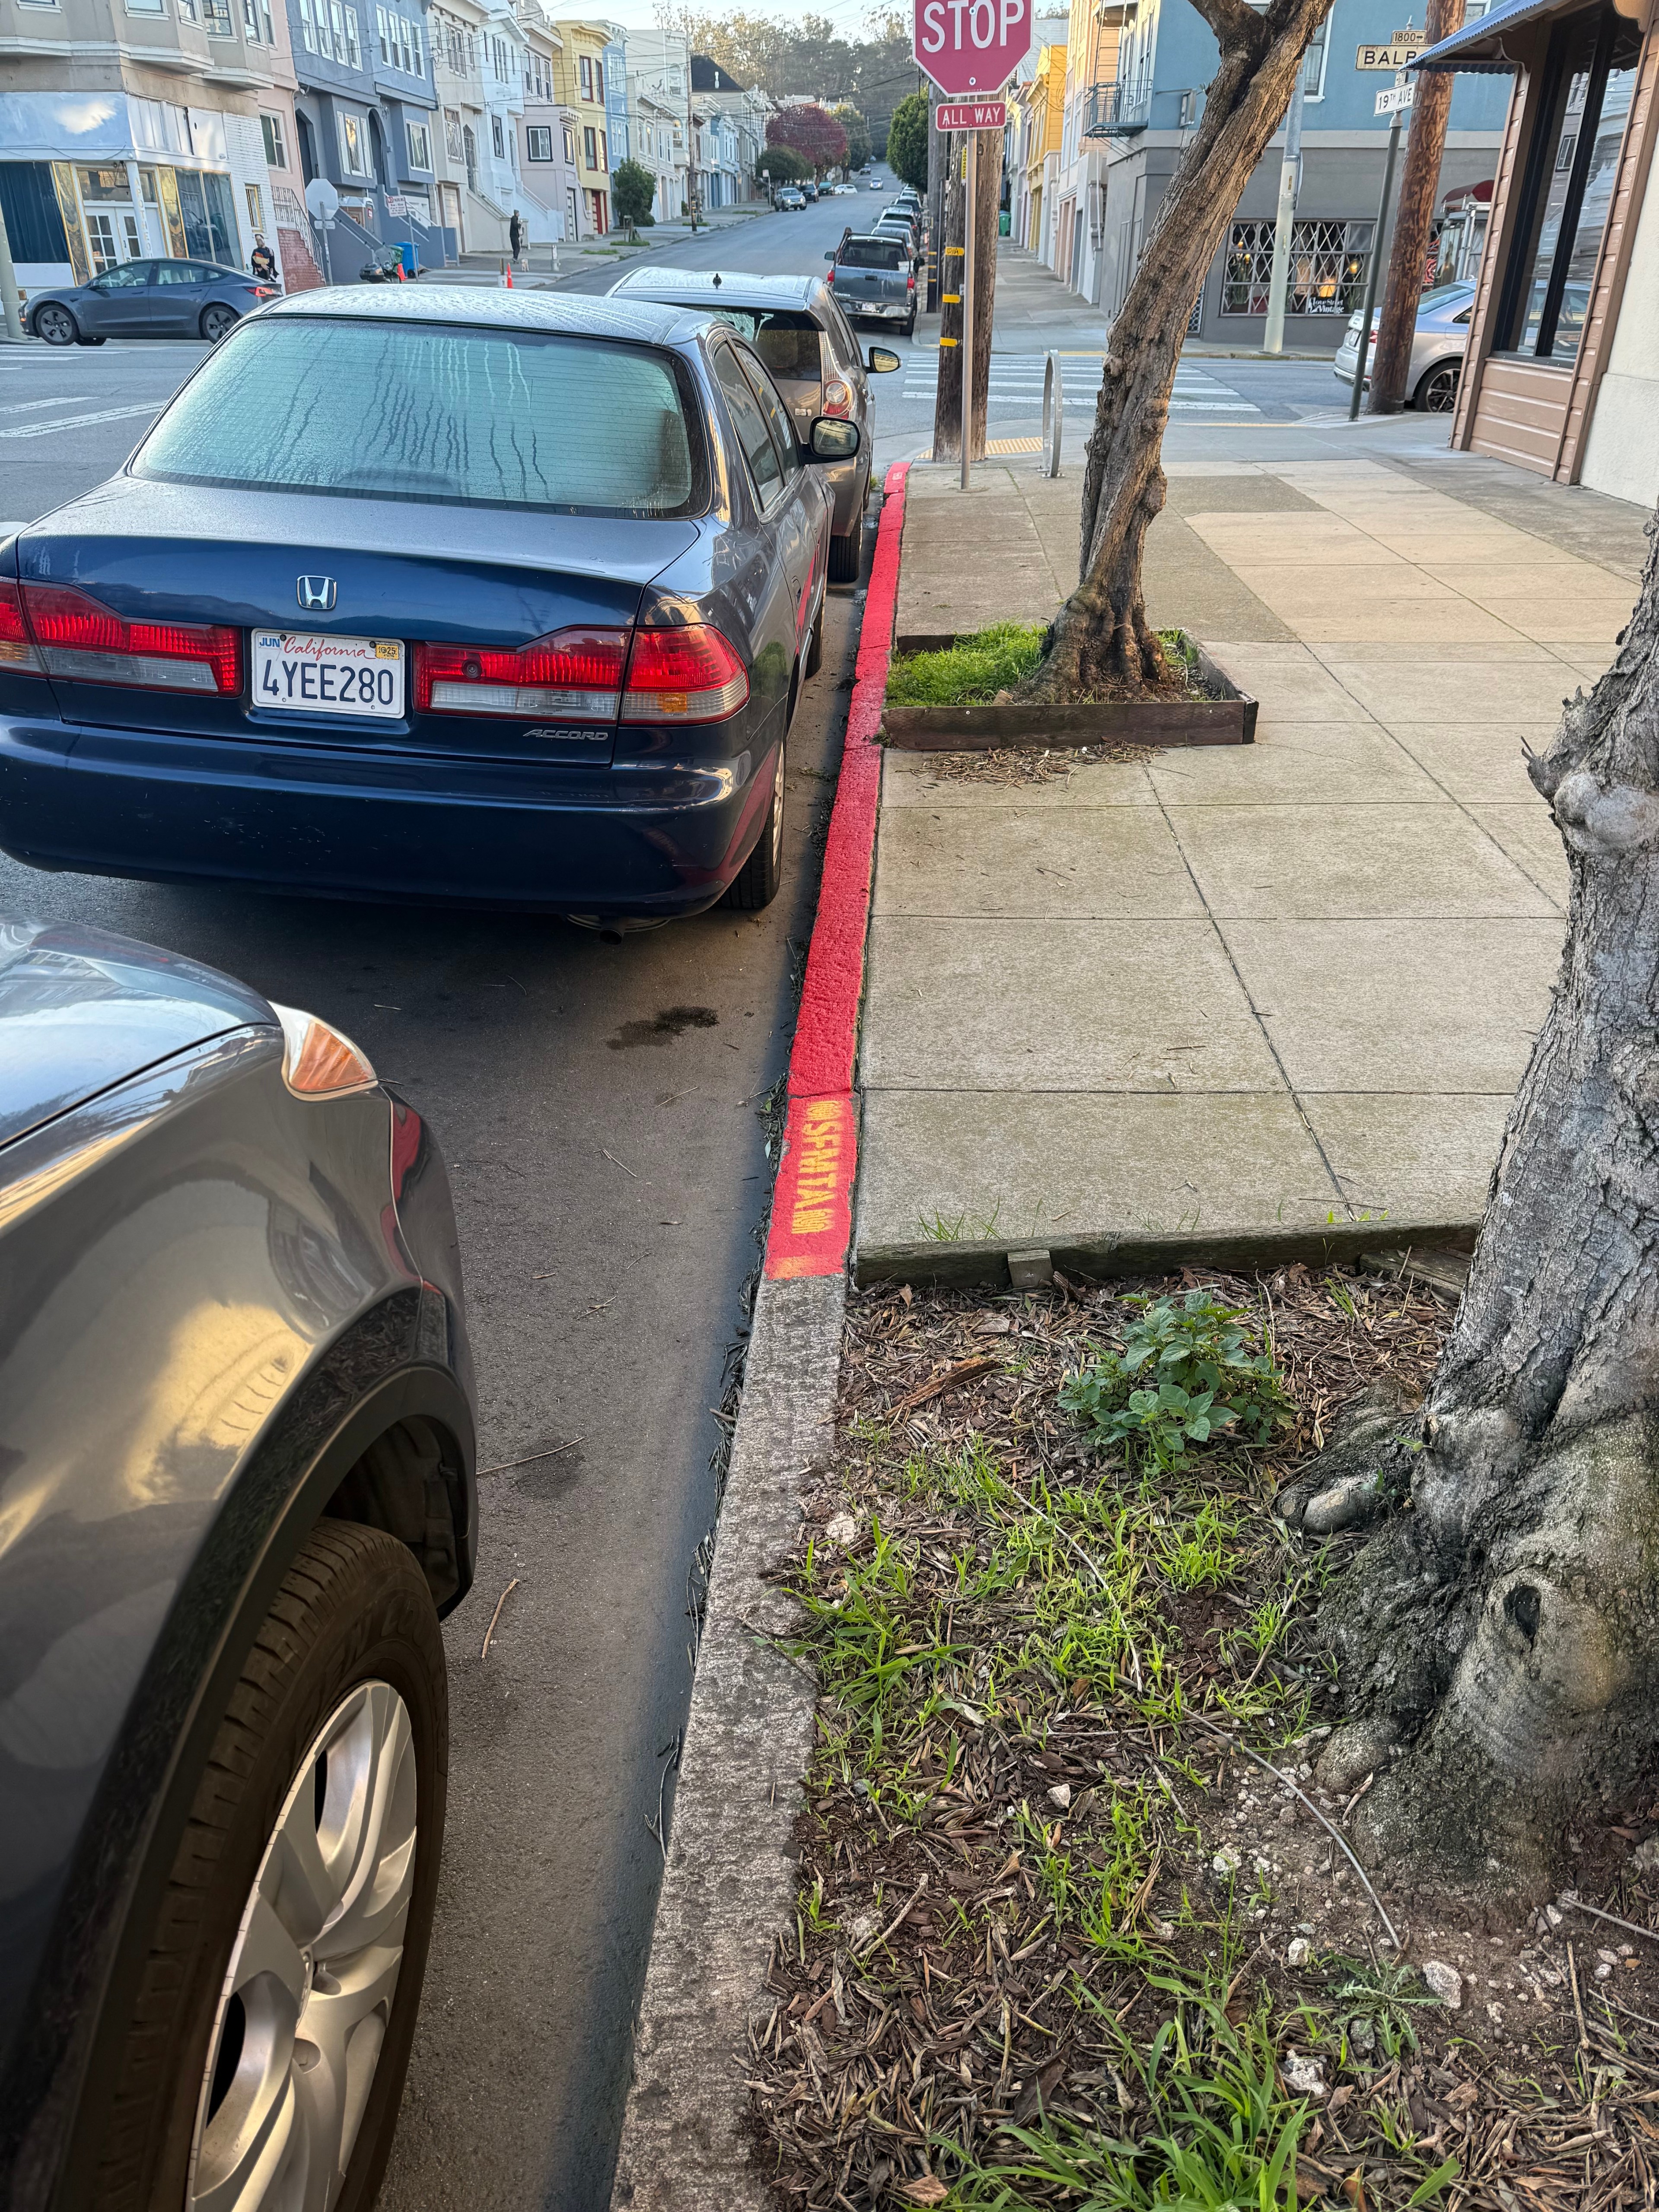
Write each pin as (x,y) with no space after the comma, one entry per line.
(320,1061)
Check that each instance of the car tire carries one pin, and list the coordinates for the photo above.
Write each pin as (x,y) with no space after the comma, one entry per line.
(217,320)
(755,884)
(846,556)
(1436,388)
(91,341)
(332,1755)
(55,324)
(908,330)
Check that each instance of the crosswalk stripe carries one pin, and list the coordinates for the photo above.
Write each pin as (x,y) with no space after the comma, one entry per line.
(81,421)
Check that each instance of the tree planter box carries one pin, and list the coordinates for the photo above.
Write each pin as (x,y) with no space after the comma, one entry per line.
(1227,717)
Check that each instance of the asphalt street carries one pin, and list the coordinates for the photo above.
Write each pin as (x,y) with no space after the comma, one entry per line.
(603,1107)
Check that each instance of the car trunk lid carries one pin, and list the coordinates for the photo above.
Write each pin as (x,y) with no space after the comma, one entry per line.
(296,566)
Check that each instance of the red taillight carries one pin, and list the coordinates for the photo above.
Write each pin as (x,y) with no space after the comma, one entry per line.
(263,291)
(80,637)
(574,673)
(688,675)
(910,281)
(838,397)
(17,651)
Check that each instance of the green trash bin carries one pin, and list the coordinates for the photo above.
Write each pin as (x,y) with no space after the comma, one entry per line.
(1002,223)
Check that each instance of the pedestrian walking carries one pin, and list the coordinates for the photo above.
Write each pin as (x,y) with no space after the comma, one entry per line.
(262,261)
(515,237)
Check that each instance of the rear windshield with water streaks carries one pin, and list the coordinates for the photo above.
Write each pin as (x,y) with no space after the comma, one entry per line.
(871,254)
(472,416)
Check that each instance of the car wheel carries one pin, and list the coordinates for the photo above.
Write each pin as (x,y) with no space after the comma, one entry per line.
(91,341)
(908,330)
(56,325)
(846,555)
(756,882)
(266,2054)
(1437,392)
(216,321)
(815,643)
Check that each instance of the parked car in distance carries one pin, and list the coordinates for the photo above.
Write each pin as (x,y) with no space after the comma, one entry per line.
(809,191)
(900,222)
(790,197)
(873,279)
(1437,348)
(530,633)
(237,1496)
(148,299)
(806,343)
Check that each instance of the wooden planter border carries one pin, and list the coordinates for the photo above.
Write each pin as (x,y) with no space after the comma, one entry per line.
(1227,717)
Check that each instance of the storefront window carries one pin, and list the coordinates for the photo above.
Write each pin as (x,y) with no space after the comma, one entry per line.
(1328,261)
(1589,80)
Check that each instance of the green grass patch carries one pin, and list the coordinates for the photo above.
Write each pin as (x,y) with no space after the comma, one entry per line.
(970,673)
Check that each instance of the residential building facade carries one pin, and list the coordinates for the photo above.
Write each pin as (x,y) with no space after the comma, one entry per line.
(1562,372)
(1145,114)
(735,116)
(660,77)
(131,127)
(551,201)
(579,81)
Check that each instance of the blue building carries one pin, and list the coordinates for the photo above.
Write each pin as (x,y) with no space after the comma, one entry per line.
(1122,140)
(366,116)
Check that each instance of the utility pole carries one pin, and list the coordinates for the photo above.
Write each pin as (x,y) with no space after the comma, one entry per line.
(8,300)
(1357,393)
(1290,186)
(1430,106)
(952,253)
(935,200)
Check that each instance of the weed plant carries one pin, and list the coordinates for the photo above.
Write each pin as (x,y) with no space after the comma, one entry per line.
(1189,1372)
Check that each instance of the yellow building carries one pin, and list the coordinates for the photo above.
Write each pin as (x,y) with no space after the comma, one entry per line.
(579,84)
(1042,114)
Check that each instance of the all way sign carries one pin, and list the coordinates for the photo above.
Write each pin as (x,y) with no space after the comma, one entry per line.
(972,45)
(970,115)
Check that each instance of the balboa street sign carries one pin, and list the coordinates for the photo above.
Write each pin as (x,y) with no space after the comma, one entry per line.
(972,45)
(1395,53)
(970,115)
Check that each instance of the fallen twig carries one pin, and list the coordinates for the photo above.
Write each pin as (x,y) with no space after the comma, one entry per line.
(1596,1913)
(1267,1766)
(894,1925)
(963,1373)
(552,1452)
(495,1616)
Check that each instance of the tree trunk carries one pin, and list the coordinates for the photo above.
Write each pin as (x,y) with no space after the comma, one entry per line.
(1101,634)
(1431,103)
(1500,1640)
(947,392)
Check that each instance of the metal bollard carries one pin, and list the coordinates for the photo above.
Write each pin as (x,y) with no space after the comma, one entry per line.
(1054,415)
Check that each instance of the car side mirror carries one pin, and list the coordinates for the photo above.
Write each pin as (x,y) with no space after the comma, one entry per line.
(830,256)
(880,359)
(832,439)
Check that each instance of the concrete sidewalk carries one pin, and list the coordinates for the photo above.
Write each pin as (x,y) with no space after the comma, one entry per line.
(1189,1006)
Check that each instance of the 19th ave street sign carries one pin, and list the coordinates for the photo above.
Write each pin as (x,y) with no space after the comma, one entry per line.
(970,115)
(972,45)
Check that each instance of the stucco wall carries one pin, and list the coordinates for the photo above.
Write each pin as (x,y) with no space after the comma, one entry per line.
(1621,454)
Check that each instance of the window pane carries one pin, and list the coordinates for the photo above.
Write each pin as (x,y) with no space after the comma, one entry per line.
(1593,212)
(870,253)
(1565,133)
(750,424)
(474,416)
(777,415)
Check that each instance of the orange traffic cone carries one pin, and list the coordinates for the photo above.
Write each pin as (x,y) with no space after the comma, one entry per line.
(506,278)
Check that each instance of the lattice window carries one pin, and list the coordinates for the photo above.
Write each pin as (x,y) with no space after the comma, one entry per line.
(1328,261)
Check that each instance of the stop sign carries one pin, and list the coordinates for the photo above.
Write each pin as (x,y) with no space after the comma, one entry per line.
(972,45)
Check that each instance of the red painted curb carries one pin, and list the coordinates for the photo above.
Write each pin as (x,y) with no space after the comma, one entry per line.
(812,1205)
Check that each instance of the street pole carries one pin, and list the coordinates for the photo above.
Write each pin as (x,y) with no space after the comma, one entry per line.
(1290,180)
(9,301)
(970,227)
(1358,392)
(1426,144)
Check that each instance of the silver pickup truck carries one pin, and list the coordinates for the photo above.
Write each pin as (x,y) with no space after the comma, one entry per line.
(876,278)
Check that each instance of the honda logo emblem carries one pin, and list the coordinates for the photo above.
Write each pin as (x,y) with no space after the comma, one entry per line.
(316,594)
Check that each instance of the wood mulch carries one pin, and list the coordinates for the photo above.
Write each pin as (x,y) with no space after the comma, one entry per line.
(1015,1876)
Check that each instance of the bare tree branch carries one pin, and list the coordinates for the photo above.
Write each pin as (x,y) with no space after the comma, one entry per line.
(1238,28)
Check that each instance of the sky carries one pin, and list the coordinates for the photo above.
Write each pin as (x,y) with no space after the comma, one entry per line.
(848,15)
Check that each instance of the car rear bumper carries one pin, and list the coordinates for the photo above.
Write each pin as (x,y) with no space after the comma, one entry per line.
(647,841)
(887,310)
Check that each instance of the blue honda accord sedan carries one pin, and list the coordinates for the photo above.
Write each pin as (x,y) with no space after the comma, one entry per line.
(497,599)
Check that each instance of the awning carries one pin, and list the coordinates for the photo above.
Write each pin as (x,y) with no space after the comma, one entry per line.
(1479,44)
